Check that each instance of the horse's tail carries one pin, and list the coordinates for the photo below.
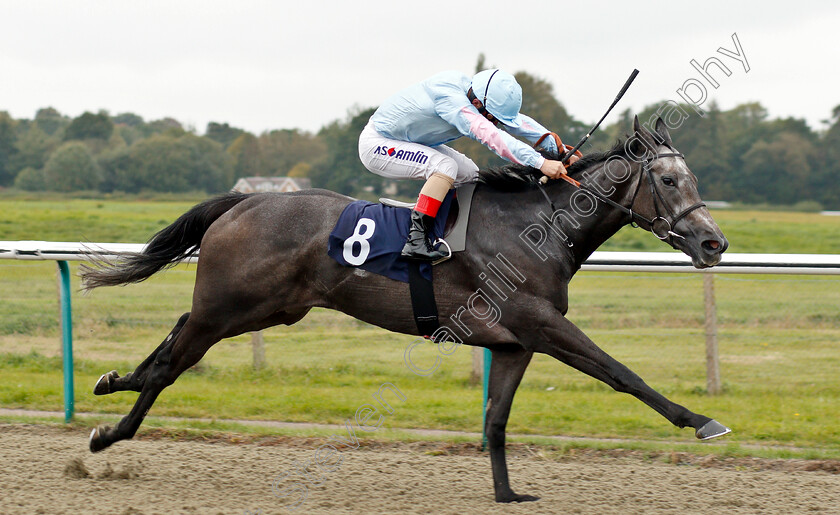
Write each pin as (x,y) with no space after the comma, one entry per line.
(164,250)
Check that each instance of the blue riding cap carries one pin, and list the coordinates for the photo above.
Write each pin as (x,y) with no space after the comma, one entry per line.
(500,94)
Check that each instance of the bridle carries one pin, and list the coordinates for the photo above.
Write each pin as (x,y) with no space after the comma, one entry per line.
(659,225)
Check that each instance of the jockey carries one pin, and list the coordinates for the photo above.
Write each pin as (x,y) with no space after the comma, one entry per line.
(405,139)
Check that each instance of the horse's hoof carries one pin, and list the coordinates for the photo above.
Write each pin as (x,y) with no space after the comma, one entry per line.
(103,385)
(712,429)
(513,497)
(97,443)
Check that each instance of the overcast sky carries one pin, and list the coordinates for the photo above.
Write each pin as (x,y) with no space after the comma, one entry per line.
(264,65)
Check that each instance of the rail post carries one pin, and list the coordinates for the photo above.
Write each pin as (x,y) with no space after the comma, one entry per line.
(487,358)
(477,366)
(66,339)
(713,386)
(258,349)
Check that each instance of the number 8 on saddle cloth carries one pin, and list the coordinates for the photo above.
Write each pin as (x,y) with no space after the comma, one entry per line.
(371,236)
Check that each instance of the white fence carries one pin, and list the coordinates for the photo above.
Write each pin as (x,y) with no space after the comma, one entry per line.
(639,262)
(809,264)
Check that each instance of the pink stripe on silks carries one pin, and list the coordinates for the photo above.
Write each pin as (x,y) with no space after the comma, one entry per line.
(488,134)
(528,127)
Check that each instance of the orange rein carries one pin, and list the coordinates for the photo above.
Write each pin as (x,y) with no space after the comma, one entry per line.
(561,148)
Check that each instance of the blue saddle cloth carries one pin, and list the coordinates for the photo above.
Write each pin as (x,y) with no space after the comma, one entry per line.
(371,236)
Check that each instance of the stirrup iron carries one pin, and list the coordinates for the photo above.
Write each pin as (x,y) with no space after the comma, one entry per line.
(441,241)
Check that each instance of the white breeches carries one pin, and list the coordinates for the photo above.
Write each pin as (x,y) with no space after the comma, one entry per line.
(396,159)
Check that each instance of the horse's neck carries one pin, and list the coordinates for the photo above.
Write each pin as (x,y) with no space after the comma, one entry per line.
(571,231)
(601,223)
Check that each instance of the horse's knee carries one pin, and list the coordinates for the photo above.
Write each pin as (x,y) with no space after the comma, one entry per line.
(160,376)
(495,431)
(625,380)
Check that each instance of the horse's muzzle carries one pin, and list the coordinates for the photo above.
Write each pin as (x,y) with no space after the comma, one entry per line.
(711,252)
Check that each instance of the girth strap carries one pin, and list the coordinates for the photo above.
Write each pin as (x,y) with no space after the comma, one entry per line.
(422,300)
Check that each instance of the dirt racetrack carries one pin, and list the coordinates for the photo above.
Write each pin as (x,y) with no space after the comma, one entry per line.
(48,470)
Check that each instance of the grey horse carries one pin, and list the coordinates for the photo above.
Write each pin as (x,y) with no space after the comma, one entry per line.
(264,262)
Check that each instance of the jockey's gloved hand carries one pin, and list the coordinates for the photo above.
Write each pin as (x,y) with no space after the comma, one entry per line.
(552,169)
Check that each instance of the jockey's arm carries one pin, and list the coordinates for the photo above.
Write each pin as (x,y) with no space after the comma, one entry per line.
(532,131)
(469,122)
(472,124)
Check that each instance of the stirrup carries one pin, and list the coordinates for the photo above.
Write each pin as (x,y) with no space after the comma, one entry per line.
(441,241)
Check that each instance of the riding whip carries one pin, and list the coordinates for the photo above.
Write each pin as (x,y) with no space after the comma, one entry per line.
(571,152)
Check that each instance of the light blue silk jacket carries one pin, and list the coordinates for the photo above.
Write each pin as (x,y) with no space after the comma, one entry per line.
(437,111)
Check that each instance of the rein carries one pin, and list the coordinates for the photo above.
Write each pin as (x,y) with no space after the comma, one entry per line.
(560,148)
(659,225)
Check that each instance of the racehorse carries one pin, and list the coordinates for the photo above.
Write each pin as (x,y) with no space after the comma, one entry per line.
(252,276)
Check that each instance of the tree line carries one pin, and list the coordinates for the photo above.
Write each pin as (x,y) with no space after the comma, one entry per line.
(738,155)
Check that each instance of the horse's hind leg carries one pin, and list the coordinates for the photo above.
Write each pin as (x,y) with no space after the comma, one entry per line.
(133,381)
(184,350)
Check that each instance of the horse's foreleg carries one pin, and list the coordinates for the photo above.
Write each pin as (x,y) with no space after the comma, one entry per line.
(506,370)
(182,352)
(133,381)
(564,341)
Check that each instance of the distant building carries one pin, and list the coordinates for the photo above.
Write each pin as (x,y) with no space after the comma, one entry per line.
(278,184)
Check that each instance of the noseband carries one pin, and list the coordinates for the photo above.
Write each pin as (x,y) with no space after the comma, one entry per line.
(659,225)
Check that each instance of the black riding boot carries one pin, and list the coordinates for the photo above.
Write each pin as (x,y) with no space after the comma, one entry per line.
(418,246)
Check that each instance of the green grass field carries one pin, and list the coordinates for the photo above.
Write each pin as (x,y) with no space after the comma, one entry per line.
(778,340)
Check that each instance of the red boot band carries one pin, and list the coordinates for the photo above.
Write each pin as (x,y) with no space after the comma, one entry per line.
(427,205)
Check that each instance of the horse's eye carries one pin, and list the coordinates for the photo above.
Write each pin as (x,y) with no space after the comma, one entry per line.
(668,181)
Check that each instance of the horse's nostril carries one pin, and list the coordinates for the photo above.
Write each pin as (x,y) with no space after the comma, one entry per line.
(711,245)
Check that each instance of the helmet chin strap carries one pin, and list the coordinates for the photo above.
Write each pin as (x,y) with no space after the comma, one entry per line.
(481,109)
(472,98)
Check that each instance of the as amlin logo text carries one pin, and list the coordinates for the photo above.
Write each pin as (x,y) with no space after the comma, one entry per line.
(405,155)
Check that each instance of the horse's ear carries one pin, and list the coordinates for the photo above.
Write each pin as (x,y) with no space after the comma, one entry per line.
(662,131)
(642,139)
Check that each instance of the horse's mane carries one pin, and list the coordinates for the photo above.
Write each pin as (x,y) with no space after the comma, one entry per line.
(515,177)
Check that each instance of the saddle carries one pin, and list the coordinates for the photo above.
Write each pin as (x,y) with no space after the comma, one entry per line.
(455,230)
(371,236)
